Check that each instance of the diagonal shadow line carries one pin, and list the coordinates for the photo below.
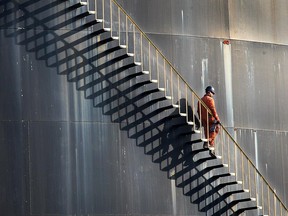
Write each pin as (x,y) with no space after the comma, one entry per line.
(195,164)
(219,200)
(10,11)
(44,27)
(135,111)
(67,35)
(213,179)
(152,114)
(77,41)
(56,36)
(158,96)
(105,89)
(217,190)
(66,43)
(83,39)
(36,12)
(200,173)
(116,96)
(93,71)
(94,68)
(88,63)
(178,133)
(227,207)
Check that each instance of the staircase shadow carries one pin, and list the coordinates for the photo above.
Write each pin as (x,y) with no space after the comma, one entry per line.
(109,77)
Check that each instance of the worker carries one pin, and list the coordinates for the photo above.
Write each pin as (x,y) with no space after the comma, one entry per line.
(213,120)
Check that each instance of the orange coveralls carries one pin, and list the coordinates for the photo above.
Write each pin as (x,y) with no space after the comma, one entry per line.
(209,101)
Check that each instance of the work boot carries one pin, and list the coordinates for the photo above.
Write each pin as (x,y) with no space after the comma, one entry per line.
(212,153)
(205,145)
(211,147)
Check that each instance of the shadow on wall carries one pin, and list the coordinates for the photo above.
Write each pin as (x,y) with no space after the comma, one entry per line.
(110,77)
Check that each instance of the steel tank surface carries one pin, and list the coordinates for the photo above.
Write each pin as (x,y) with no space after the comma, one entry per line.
(249,74)
(64,154)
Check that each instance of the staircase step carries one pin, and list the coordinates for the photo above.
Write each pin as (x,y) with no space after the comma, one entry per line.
(156,95)
(83,3)
(224,175)
(190,123)
(115,38)
(146,72)
(204,159)
(91,12)
(107,30)
(99,20)
(245,199)
(75,6)
(196,151)
(196,141)
(248,208)
(185,130)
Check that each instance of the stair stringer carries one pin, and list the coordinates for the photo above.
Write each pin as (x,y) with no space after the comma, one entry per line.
(158,109)
(182,114)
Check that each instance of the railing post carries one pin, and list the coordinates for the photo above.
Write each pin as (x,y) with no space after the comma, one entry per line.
(131,29)
(242,171)
(263,202)
(193,112)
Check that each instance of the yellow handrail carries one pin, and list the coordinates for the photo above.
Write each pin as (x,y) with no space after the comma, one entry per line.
(199,99)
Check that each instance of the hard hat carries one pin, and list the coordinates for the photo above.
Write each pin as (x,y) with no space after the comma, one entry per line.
(210,89)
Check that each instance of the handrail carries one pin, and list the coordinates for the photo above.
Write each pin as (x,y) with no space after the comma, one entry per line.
(190,88)
(144,34)
(179,76)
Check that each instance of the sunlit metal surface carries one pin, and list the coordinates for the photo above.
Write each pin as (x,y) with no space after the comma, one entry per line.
(51,112)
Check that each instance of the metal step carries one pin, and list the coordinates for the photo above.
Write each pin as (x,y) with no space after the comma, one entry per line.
(91,12)
(197,141)
(165,97)
(83,3)
(248,208)
(196,151)
(190,123)
(204,159)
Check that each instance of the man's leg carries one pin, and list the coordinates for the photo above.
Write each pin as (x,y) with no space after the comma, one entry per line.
(205,144)
(213,135)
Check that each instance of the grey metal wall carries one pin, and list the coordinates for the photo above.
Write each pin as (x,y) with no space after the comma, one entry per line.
(60,154)
(250,75)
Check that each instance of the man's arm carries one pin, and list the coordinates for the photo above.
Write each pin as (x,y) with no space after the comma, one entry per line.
(211,106)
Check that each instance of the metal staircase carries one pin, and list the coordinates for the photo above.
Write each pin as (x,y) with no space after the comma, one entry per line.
(231,174)
(226,184)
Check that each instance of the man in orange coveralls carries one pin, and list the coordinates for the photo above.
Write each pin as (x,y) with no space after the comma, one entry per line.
(213,120)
